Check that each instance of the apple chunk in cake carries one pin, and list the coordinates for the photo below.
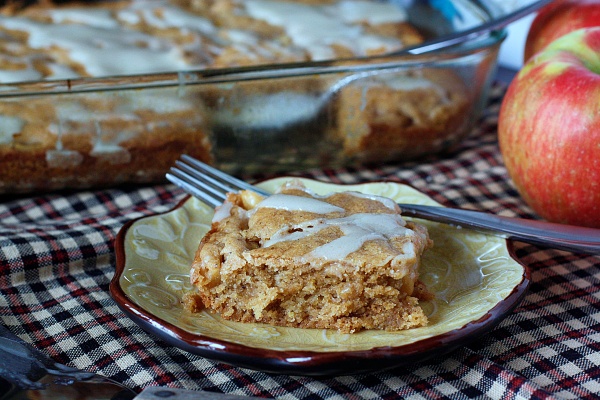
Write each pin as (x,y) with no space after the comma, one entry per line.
(345,261)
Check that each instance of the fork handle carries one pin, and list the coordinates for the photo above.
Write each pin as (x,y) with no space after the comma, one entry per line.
(571,238)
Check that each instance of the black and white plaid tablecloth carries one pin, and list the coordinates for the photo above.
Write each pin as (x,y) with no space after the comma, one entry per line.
(57,259)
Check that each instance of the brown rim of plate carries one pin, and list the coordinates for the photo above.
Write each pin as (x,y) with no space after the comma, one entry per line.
(299,362)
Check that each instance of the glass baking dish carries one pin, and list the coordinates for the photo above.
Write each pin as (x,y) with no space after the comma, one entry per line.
(270,118)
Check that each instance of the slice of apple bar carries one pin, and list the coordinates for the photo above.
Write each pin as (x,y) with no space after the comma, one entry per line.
(345,261)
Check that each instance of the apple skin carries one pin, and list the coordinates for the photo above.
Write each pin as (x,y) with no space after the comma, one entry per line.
(557,19)
(549,130)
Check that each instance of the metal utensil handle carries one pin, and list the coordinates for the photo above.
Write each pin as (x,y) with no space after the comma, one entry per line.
(20,363)
(23,365)
(558,236)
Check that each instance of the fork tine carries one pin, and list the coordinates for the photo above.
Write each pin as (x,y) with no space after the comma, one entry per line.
(205,182)
(195,187)
(233,183)
(200,176)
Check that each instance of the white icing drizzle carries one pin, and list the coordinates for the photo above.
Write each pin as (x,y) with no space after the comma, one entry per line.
(317,28)
(102,51)
(386,201)
(398,82)
(169,17)
(357,229)
(80,15)
(401,82)
(408,250)
(373,12)
(297,203)
(404,83)
(27,73)
(272,110)
(8,127)
(298,185)
(109,149)
(295,232)
(222,212)
(61,158)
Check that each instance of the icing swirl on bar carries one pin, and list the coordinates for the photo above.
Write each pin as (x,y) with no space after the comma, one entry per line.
(357,229)
(297,203)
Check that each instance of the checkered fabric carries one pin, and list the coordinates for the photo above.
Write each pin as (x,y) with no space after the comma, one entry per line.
(57,259)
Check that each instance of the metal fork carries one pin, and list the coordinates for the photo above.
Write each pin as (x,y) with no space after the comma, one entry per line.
(211,185)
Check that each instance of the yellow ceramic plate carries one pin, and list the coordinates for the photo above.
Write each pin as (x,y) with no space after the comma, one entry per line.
(475,279)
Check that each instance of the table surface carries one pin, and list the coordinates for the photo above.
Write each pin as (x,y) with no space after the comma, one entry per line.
(57,259)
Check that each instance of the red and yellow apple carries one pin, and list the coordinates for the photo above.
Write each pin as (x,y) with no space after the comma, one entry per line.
(549,130)
(557,19)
